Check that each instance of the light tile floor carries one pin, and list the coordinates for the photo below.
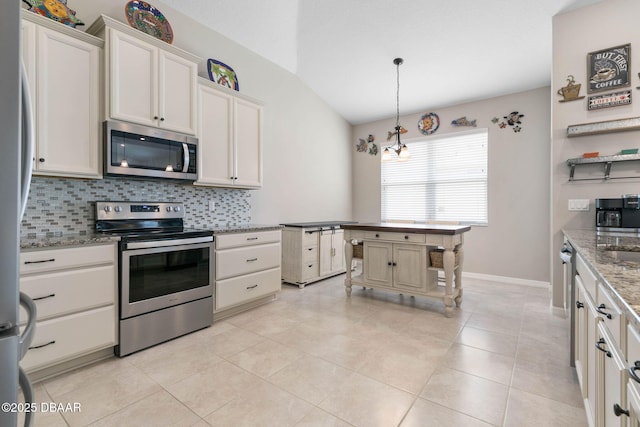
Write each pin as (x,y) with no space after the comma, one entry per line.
(314,357)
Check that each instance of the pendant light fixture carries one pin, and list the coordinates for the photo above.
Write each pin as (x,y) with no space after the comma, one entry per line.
(400,149)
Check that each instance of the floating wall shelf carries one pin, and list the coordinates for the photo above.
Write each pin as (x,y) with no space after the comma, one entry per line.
(607,161)
(610,126)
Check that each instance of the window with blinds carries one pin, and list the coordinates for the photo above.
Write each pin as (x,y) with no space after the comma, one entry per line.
(445,179)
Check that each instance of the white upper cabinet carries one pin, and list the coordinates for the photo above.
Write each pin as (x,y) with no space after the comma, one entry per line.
(63,69)
(148,81)
(229,138)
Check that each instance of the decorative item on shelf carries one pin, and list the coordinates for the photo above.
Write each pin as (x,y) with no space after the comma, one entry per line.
(56,10)
(146,18)
(363,146)
(609,100)
(429,123)
(591,154)
(222,74)
(629,151)
(608,68)
(462,121)
(609,126)
(400,149)
(571,91)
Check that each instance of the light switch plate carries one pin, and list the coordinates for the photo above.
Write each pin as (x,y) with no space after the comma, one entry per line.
(578,204)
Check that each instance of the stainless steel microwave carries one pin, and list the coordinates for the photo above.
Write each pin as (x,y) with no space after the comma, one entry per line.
(141,151)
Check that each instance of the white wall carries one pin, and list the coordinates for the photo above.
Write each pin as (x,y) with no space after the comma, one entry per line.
(575,34)
(307,156)
(515,244)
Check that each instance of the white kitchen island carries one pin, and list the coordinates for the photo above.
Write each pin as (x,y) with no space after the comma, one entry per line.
(396,257)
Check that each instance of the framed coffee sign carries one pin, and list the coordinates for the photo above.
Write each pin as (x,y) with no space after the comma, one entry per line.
(609,68)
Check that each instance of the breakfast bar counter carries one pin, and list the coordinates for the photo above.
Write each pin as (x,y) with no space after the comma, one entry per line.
(406,258)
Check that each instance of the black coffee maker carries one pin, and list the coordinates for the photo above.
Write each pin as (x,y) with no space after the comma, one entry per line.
(621,214)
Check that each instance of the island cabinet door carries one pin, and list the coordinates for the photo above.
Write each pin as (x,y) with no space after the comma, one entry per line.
(410,267)
(378,263)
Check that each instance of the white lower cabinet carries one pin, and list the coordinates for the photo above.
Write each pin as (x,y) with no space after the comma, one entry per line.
(600,358)
(383,258)
(247,269)
(74,290)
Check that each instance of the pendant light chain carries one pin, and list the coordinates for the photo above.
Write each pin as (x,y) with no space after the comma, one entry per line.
(398,93)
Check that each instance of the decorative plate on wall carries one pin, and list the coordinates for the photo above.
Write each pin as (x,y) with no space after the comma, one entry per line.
(428,123)
(222,74)
(146,18)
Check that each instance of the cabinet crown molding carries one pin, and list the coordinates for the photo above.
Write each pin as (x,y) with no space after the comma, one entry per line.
(99,26)
(62,28)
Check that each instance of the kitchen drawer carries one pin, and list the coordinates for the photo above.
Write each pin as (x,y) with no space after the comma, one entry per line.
(310,270)
(310,236)
(64,292)
(310,254)
(234,240)
(241,289)
(589,279)
(238,261)
(58,259)
(63,338)
(395,237)
(615,324)
(633,345)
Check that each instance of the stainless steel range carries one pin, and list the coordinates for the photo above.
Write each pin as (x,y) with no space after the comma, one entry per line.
(166,272)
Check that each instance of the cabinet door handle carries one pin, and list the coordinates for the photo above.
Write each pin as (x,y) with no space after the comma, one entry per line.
(252,238)
(406,237)
(40,261)
(42,345)
(602,307)
(579,304)
(252,287)
(44,297)
(252,259)
(310,249)
(377,235)
(155,117)
(617,410)
(162,119)
(41,159)
(394,264)
(632,371)
(389,263)
(598,346)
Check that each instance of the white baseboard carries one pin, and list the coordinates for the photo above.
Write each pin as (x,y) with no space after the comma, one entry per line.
(504,279)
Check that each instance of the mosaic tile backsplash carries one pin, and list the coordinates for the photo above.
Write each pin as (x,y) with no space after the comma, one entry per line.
(59,206)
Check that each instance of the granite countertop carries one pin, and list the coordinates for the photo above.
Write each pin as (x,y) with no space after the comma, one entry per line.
(244,228)
(58,240)
(620,275)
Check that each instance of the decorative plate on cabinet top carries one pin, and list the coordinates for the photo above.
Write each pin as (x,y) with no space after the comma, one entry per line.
(222,74)
(146,18)
(429,123)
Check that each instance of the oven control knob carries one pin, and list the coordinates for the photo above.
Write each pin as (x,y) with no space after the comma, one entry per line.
(117,209)
(176,208)
(107,208)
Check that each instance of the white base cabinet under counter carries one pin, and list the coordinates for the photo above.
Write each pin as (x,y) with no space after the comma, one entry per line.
(247,270)
(312,251)
(74,289)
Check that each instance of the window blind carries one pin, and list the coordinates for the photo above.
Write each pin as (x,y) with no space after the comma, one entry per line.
(445,179)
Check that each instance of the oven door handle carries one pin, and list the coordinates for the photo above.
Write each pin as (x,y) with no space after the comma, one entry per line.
(167,243)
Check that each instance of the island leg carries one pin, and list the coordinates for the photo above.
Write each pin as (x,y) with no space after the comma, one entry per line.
(448,261)
(458,281)
(348,256)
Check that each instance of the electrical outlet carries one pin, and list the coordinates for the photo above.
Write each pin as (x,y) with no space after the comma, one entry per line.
(212,206)
(578,204)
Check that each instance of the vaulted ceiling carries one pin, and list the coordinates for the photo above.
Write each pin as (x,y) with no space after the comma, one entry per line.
(454,51)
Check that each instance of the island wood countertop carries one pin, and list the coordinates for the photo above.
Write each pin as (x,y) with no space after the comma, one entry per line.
(409,228)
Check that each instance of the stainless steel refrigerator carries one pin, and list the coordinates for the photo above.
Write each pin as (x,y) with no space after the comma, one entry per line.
(16,143)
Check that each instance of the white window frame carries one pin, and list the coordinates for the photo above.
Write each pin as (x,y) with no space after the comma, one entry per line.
(462,189)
